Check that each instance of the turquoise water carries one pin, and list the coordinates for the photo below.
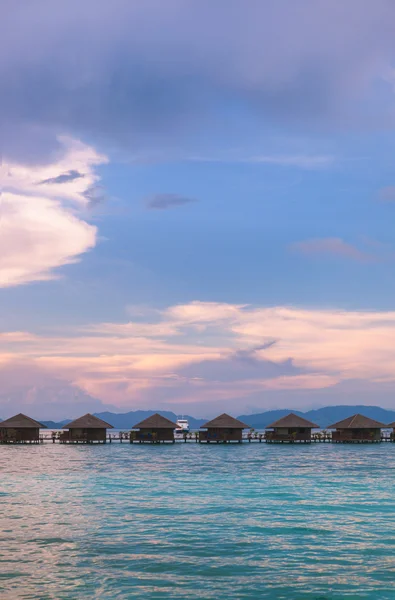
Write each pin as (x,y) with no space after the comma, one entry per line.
(195,521)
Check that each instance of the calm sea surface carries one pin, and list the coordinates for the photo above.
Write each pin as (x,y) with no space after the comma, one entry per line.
(196,521)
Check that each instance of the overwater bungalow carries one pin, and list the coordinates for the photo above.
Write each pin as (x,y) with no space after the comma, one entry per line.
(86,430)
(154,429)
(358,429)
(20,429)
(222,429)
(291,428)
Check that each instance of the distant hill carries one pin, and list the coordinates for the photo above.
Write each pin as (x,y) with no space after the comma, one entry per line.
(261,420)
(129,419)
(54,425)
(322,416)
(331,414)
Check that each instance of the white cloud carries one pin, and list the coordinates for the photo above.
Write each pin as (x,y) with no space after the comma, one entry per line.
(203,312)
(68,178)
(39,230)
(36,236)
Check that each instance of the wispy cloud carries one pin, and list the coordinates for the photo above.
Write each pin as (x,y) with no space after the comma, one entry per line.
(96,196)
(387,194)
(166,201)
(335,247)
(297,161)
(63,178)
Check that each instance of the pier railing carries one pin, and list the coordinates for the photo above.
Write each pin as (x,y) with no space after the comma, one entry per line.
(193,437)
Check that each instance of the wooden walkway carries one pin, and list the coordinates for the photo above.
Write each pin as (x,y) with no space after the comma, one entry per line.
(124,438)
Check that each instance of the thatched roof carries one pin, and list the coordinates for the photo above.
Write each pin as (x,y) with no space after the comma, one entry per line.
(155,421)
(292,420)
(225,421)
(88,421)
(357,422)
(21,422)
(390,425)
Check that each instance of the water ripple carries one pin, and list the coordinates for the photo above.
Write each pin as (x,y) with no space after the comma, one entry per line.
(192,521)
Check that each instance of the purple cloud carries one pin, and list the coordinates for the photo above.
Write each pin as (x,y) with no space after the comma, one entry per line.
(331,247)
(165,201)
(64,177)
(150,72)
(387,194)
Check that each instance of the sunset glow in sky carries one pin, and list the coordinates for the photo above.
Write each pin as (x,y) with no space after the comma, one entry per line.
(197,205)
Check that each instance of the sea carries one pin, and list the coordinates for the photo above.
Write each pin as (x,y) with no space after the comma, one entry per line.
(259,521)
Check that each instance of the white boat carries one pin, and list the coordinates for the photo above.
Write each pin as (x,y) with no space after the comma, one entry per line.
(182,426)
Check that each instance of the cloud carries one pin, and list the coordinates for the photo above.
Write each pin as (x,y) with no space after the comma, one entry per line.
(36,236)
(203,313)
(151,72)
(244,367)
(213,355)
(70,177)
(40,229)
(335,247)
(63,178)
(251,355)
(387,194)
(95,196)
(165,201)
(299,161)
(304,382)
(43,396)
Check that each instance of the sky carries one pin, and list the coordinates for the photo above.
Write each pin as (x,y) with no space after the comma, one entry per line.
(197,205)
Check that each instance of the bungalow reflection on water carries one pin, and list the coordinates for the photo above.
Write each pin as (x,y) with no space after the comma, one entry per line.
(224,429)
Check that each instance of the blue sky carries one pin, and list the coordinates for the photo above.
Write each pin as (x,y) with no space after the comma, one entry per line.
(197,207)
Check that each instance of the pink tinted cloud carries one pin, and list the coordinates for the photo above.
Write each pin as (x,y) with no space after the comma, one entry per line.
(206,353)
(387,194)
(331,247)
